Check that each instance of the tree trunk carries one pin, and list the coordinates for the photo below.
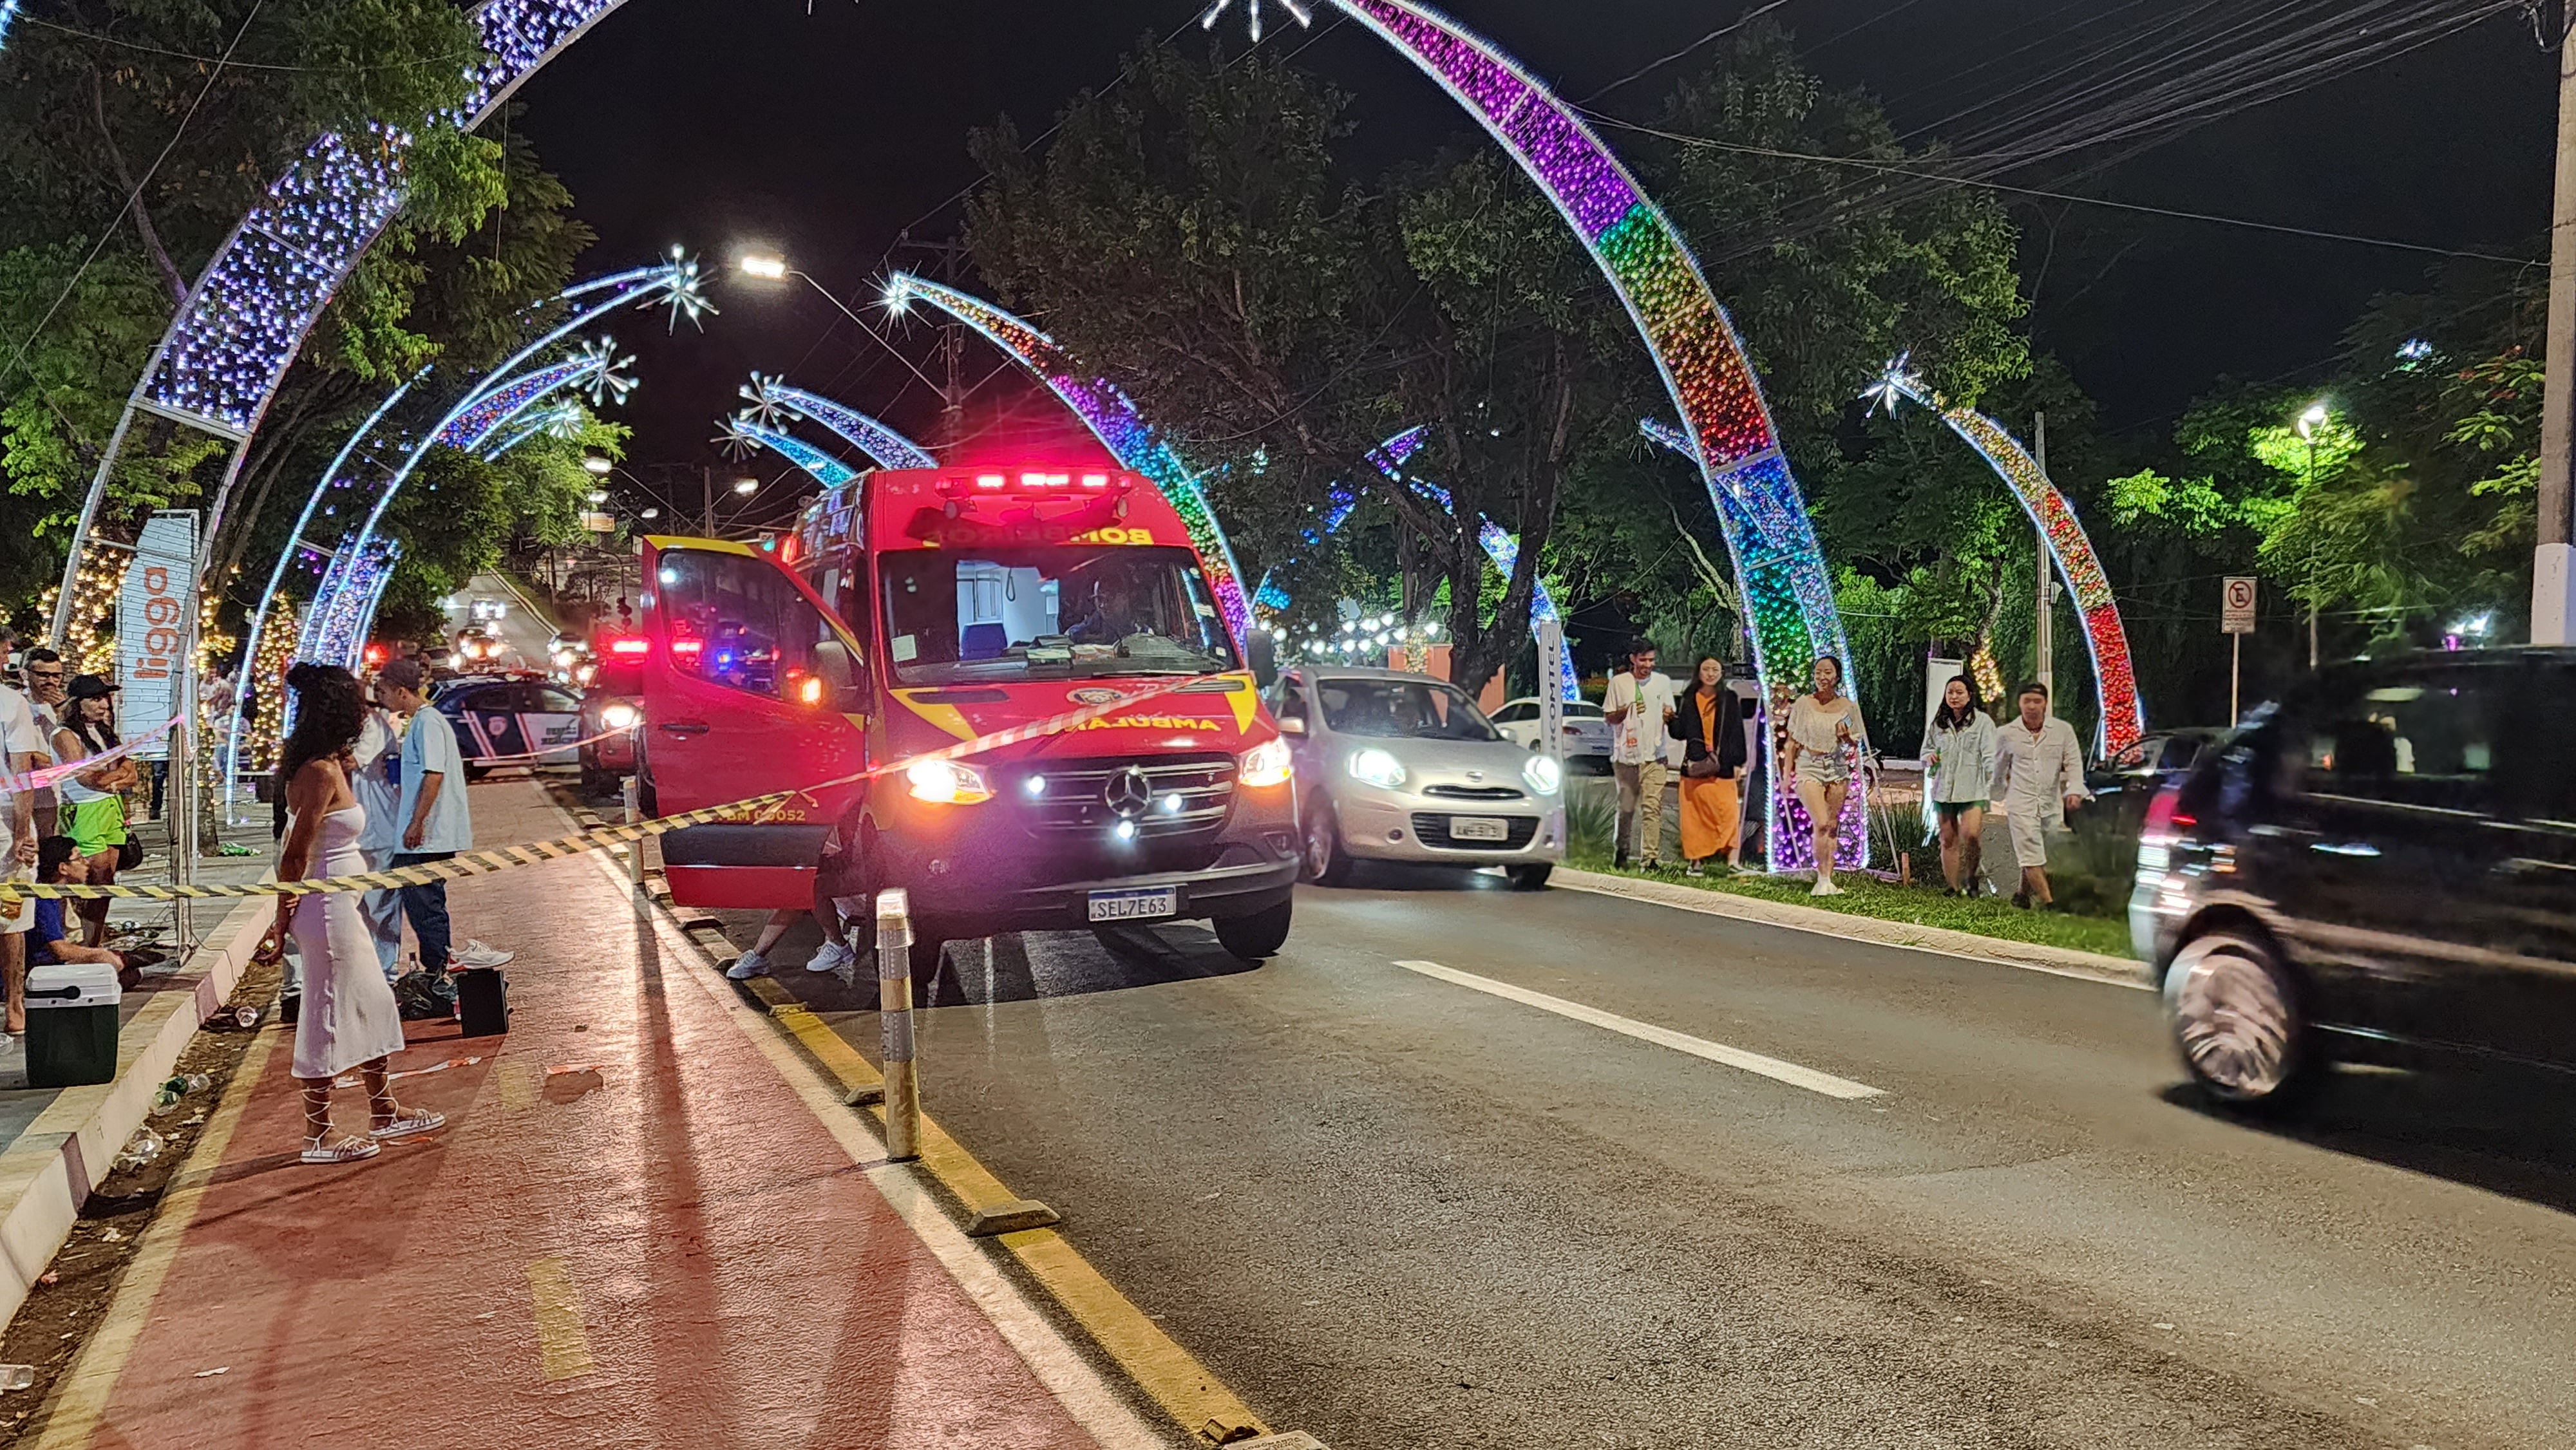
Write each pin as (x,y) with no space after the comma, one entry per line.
(136,202)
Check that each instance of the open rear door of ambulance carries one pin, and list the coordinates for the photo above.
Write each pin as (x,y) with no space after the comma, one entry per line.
(751,686)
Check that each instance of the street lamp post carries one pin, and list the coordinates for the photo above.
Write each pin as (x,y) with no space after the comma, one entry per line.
(2309,422)
(763,266)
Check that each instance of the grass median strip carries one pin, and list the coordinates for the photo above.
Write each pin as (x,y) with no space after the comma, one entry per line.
(1913,905)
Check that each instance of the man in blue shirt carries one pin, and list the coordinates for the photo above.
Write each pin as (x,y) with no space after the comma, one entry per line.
(59,862)
(436,823)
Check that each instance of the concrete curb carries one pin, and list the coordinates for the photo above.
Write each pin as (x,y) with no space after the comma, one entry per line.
(2030,956)
(47,1174)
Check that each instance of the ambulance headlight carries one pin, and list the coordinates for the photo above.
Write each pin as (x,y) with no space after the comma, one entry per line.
(947,783)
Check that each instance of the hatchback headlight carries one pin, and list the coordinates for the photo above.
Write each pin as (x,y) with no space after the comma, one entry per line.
(947,783)
(1543,774)
(1377,768)
(1265,764)
(618,716)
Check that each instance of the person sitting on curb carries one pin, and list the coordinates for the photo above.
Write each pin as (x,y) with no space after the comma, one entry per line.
(60,863)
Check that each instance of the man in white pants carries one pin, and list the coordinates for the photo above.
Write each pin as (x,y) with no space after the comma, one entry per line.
(1638,706)
(2038,777)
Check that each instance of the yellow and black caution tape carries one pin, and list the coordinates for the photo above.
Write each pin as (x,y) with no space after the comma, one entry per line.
(457,868)
(504,858)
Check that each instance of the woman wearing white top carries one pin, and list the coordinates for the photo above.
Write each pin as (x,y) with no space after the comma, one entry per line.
(1826,737)
(1958,781)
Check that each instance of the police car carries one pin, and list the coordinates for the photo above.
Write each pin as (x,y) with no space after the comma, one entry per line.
(511,716)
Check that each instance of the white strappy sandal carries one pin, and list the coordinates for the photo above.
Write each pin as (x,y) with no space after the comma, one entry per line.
(348,1150)
(408,1122)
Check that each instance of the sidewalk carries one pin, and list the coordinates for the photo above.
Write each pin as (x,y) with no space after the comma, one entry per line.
(55,1143)
(639,1228)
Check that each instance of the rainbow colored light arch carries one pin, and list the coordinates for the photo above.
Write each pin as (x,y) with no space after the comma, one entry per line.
(2115,677)
(1787,590)
(1112,418)
(871,436)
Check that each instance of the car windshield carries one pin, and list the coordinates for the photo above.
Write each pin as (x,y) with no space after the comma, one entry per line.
(1078,611)
(1403,709)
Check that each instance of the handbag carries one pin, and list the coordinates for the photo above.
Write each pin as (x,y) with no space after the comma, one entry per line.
(1705,768)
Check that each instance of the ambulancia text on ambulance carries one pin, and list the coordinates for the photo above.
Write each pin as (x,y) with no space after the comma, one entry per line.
(913,610)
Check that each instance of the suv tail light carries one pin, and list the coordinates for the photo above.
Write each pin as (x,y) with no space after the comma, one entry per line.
(2166,822)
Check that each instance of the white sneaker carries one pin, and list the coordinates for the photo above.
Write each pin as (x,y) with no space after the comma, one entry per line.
(1826,888)
(748,966)
(477,956)
(832,956)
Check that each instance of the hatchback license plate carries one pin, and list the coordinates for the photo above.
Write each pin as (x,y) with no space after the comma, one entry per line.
(1141,904)
(1479,828)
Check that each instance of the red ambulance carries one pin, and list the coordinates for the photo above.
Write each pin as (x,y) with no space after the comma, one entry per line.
(916,609)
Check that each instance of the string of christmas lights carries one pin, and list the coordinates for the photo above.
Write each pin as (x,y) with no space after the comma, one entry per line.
(1112,418)
(868,435)
(1787,591)
(253,744)
(2115,679)
(335,632)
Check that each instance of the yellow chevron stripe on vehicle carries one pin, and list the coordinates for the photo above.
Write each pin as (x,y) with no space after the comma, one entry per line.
(502,858)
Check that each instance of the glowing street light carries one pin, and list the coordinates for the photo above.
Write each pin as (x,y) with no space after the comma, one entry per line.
(2309,422)
(766,266)
(595,466)
(650,514)
(746,486)
(599,495)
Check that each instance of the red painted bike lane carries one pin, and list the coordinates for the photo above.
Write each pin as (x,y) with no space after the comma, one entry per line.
(633,1231)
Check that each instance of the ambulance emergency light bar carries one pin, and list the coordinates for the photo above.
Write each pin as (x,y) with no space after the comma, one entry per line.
(1033,481)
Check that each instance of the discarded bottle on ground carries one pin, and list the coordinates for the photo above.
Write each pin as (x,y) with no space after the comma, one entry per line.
(17,1376)
(139,1150)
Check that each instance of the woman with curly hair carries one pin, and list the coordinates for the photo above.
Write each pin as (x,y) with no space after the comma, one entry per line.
(349,1018)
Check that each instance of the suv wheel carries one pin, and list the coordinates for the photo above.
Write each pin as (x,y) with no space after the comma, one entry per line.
(1324,863)
(2237,1021)
(1255,937)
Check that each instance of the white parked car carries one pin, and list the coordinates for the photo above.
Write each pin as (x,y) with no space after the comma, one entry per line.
(1586,734)
(1400,767)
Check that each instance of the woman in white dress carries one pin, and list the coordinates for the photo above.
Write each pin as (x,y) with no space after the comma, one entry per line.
(349,1018)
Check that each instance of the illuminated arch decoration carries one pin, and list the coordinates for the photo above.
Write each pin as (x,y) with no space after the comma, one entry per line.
(772,401)
(2115,679)
(555,420)
(217,367)
(1787,591)
(8,16)
(744,434)
(335,633)
(1112,418)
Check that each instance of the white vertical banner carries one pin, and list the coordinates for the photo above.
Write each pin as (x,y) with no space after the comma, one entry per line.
(1551,700)
(152,617)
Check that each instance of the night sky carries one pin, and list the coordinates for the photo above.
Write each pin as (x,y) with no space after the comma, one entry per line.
(716,123)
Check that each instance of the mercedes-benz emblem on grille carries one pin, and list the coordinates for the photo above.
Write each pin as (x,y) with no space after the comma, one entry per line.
(1128,793)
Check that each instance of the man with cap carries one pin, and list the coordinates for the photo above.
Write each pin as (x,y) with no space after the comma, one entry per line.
(435,822)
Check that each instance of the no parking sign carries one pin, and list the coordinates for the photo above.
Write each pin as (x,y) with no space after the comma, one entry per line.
(2236,606)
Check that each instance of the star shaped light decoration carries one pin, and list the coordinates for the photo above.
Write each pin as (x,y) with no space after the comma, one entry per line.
(1896,381)
(608,382)
(734,437)
(1297,11)
(767,408)
(683,289)
(566,420)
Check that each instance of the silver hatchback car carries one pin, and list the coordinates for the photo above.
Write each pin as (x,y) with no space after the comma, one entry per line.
(1400,767)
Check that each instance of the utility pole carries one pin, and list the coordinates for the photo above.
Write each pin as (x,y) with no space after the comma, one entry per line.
(952,257)
(2551,576)
(2043,652)
(707,477)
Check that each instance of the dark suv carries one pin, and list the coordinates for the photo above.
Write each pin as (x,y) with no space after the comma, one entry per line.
(2382,867)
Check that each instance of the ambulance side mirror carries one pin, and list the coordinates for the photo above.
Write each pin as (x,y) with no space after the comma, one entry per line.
(1264,652)
(840,674)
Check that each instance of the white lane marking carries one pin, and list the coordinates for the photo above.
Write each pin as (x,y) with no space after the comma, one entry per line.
(2104,977)
(1718,1052)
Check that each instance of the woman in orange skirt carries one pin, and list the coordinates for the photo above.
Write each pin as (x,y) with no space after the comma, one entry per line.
(1710,724)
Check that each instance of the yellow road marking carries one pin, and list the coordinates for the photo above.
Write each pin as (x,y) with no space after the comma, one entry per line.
(563,1346)
(80,1400)
(1166,1372)
(516,1083)
(1170,1374)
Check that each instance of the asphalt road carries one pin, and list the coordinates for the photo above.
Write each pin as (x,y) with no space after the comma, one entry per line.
(1398,1210)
